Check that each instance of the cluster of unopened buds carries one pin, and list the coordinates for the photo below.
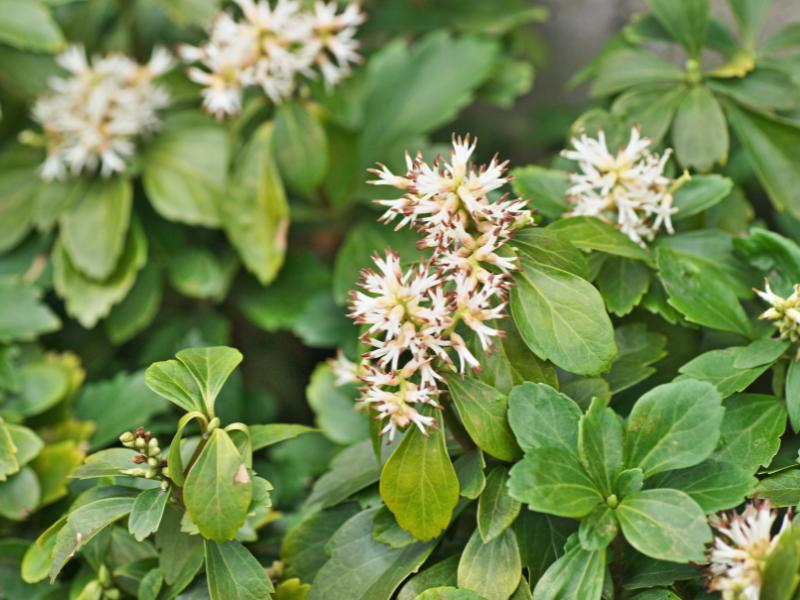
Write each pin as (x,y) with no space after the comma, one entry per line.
(93,118)
(627,189)
(741,547)
(783,312)
(413,315)
(273,47)
(153,466)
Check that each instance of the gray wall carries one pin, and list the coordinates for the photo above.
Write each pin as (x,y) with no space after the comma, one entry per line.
(577,29)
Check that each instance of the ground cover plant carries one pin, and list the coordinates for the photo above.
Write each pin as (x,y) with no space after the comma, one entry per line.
(285,314)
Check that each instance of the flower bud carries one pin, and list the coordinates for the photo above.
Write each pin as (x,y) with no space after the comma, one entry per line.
(140,443)
(127,439)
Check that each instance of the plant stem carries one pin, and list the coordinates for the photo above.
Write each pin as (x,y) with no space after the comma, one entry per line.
(616,566)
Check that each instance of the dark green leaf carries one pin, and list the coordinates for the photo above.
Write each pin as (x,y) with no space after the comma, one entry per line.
(590,233)
(751,430)
(627,67)
(542,417)
(28,25)
(301,147)
(547,187)
(601,444)
(550,480)
(210,368)
(334,407)
(492,570)
(22,315)
(673,426)
(664,524)
(234,574)
(598,529)
(700,193)
(496,509)
(577,574)
(638,350)
(685,20)
(147,511)
(483,410)
(623,283)
(782,489)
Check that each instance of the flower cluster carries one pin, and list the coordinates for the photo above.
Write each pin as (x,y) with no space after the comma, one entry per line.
(783,312)
(413,316)
(153,465)
(628,189)
(92,118)
(272,47)
(740,550)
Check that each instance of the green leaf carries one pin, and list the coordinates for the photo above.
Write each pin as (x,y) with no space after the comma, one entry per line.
(262,436)
(765,89)
(448,593)
(23,316)
(510,362)
(180,554)
(19,183)
(300,147)
(401,103)
(88,300)
(782,489)
(773,146)
(147,511)
(751,430)
(700,296)
(184,170)
(552,481)
(547,186)
(26,442)
(83,524)
(664,524)
(172,380)
(469,469)
(590,233)
(685,20)
(541,540)
(779,579)
(492,570)
(542,417)
(53,466)
(8,452)
(793,395)
(28,25)
(255,213)
(20,495)
(638,350)
(577,574)
(38,557)
(598,529)
(700,193)
(623,283)
(199,273)
(627,67)
(419,484)
(218,488)
(210,368)
(561,317)
(362,568)
(699,132)
(718,368)
(138,309)
(303,547)
(483,410)
(601,443)
(650,108)
(106,463)
(773,255)
(93,230)
(386,530)
(584,389)
(234,574)
(673,426)
(42,385)
(496,509)
(334,407)
(548,247)
(715,485)
(98,403)
(282,304)
(353,469)
(750,16)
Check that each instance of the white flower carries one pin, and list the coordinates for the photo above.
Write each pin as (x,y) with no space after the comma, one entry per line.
(344,370)
(272,47)
(93,117)
(413,315)
(627,189)
(444,200)
(740,550)
(784,312)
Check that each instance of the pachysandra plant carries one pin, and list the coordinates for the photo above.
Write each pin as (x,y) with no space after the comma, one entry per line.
(198,498)
(575,379)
